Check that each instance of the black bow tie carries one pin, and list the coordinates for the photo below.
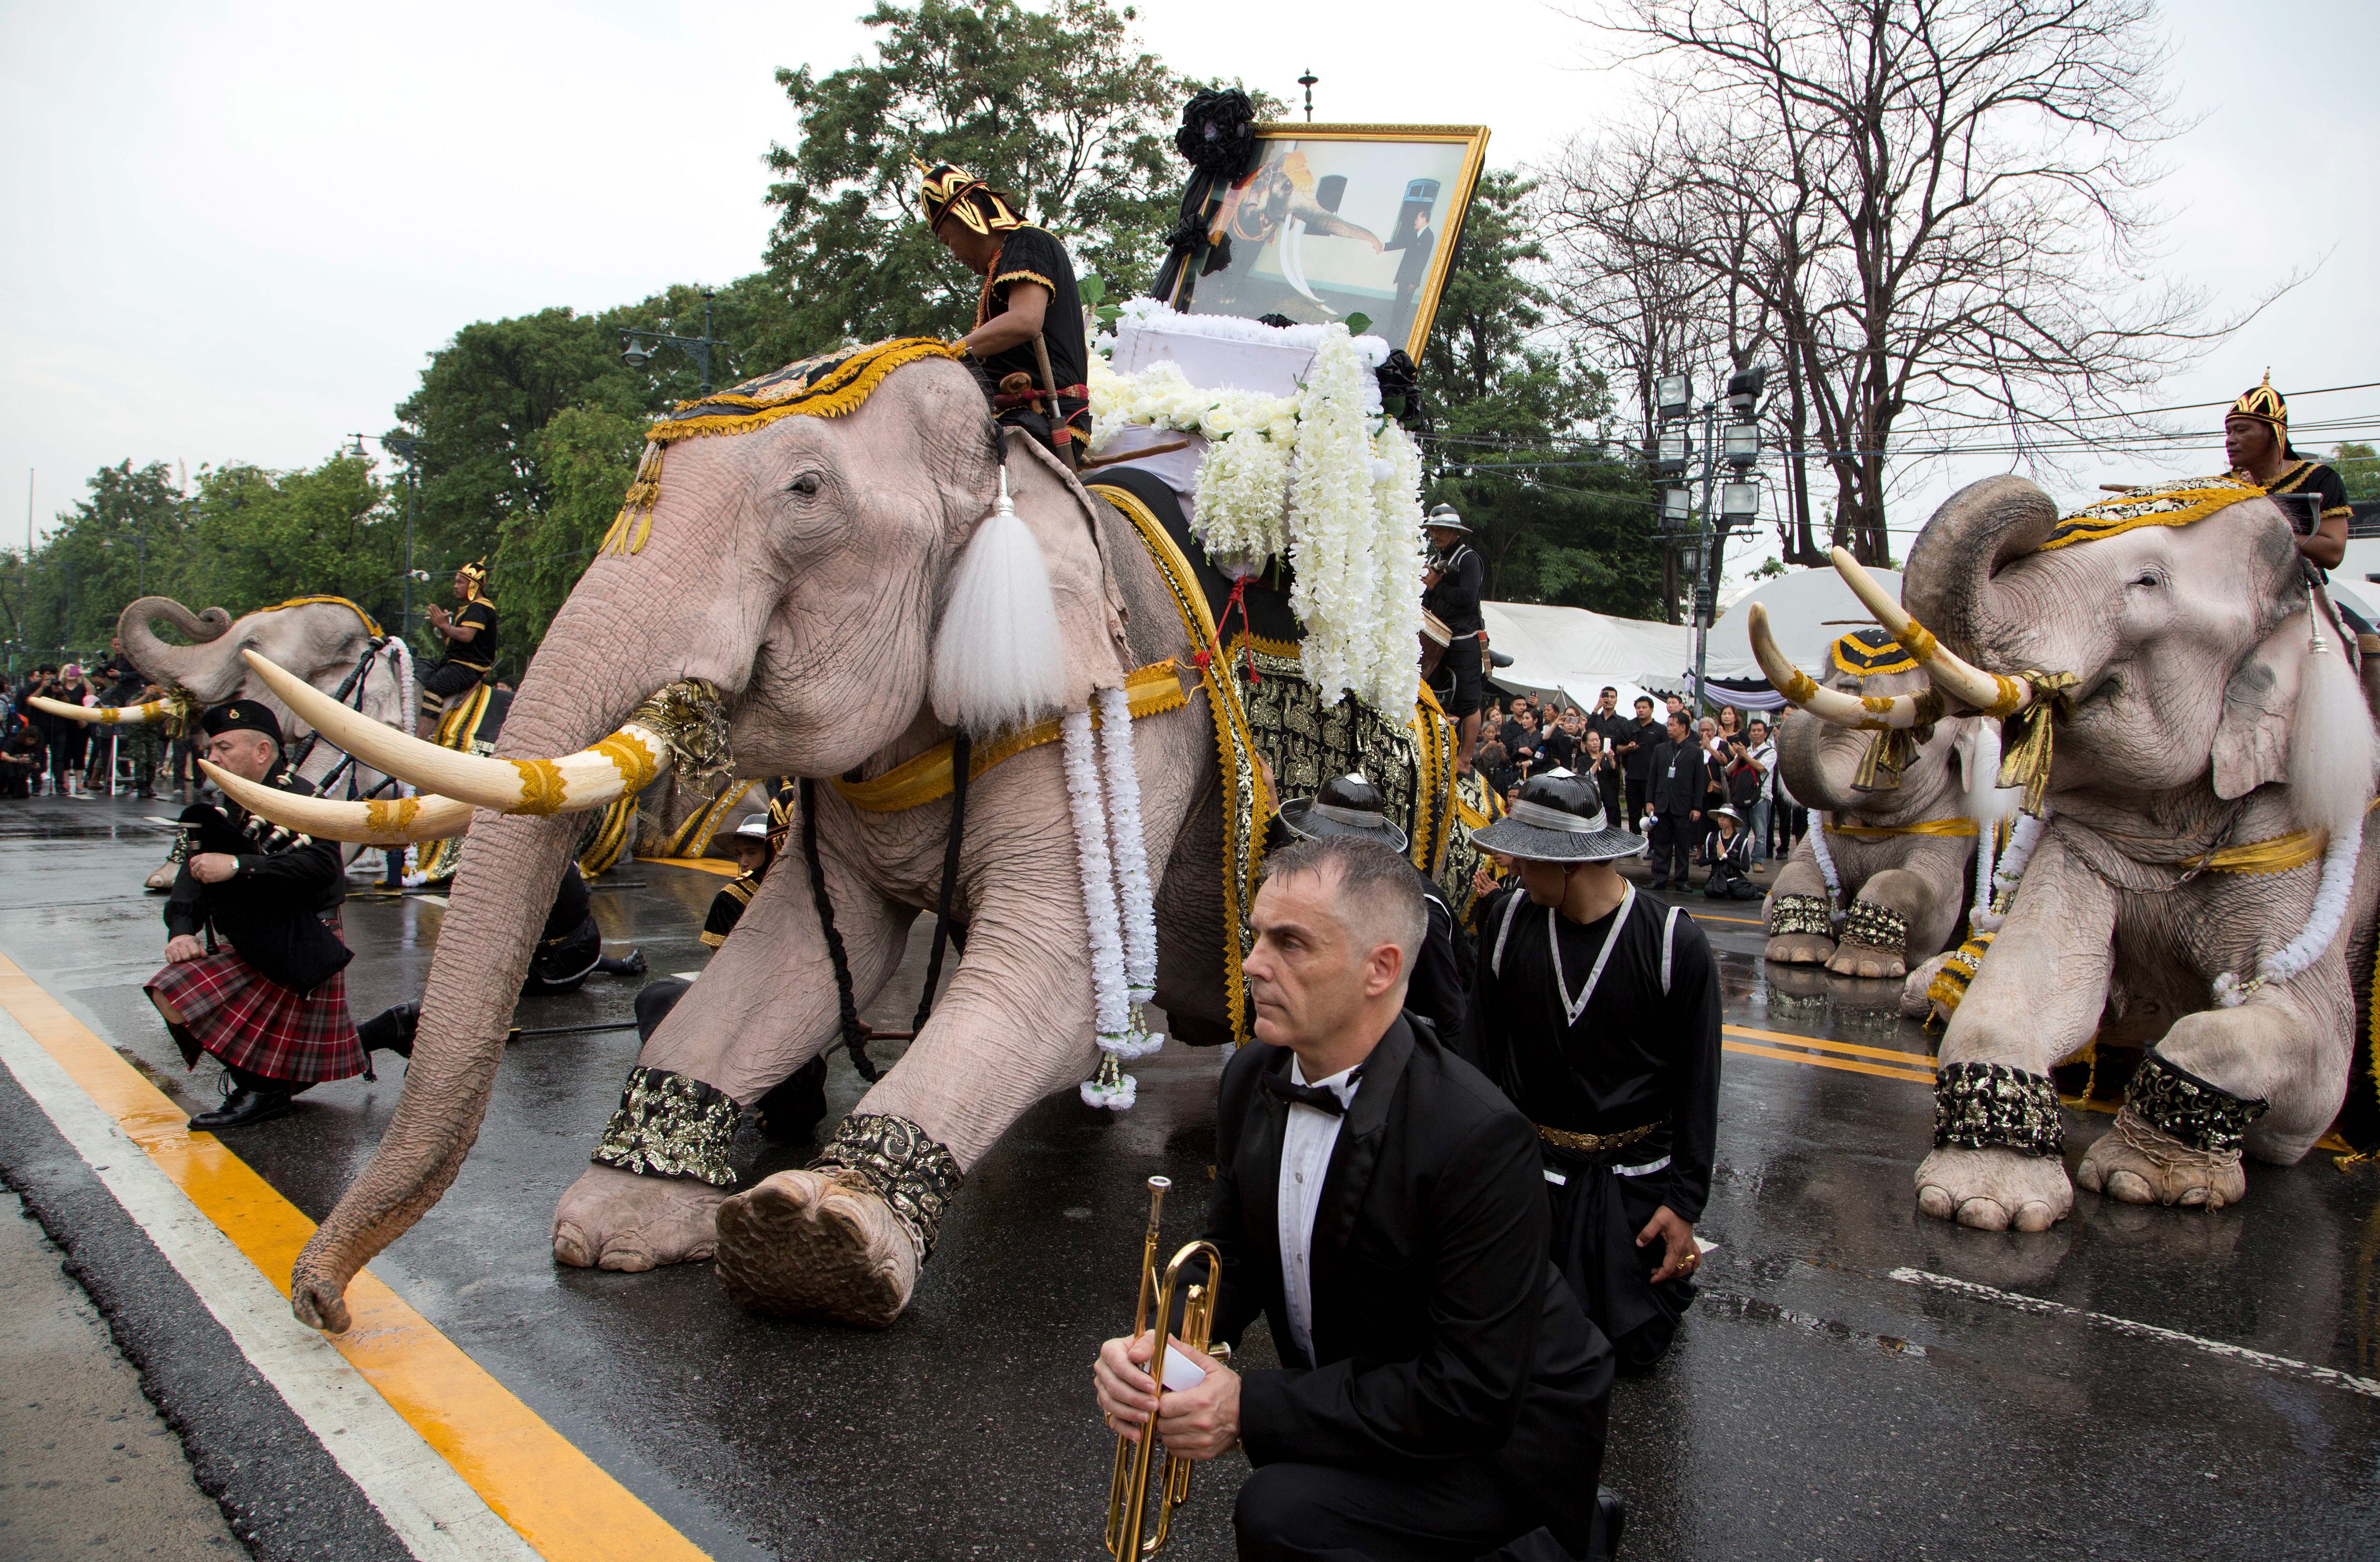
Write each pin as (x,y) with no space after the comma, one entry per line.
(1281,1087)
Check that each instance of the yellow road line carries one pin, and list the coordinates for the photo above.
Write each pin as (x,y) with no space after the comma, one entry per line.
(560,1501)
(1849,1049)
(1849,1065)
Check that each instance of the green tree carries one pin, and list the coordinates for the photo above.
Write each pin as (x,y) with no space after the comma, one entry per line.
(63,601)
(1515,441)
(2359,466)
(1060,107)
(585,456)
(256,538)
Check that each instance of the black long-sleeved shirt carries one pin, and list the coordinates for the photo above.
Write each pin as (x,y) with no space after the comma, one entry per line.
(273,861)
(1456,598)
(1633,1054)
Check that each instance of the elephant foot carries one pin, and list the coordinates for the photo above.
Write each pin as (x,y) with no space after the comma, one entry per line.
(1864,960)
(1916,1000)
(2138,1164)
(1800,949)
(617,1221)
(808,1244)
(1995,1189)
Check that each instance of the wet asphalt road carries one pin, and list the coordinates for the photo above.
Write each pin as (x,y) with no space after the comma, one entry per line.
(1816,1406)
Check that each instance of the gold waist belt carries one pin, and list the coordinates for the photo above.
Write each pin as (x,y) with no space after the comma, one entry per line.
(1592,1143)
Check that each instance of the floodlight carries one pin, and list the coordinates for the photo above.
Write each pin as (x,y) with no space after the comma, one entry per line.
(1670,453)
(1742,445)
(1676,504)
(1673,394)
(1739,503)
(1743,389)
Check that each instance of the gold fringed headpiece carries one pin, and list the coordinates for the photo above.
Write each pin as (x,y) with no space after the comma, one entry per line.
(2265,405)
(828,386)
(476,574)
(1871,653)
(945,190)
(2168,504)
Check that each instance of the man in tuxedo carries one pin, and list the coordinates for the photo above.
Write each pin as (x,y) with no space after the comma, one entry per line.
(1379,1202)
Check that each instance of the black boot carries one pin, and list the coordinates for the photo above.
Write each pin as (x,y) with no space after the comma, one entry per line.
(794,1106)
(247,1105)
(391,1030)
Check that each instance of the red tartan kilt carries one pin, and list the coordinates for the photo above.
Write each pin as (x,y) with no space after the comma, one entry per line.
(246,1019)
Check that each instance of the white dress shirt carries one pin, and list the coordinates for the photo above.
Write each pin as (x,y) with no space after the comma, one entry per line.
(1305,1145)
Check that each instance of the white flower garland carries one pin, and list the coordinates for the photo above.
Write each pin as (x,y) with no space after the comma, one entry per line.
(1134,890)
(2011,871)
(2321,929)
(1826,866)
(1115,1016)
(1321,477)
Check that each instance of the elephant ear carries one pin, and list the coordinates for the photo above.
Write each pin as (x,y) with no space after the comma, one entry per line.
(2252,737)
(1027,630)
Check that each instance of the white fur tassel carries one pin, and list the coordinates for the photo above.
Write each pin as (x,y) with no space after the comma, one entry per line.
(997,661)
(2330,744)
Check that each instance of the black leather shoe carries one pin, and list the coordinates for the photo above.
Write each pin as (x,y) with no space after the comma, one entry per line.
(245,1107)
(391,1030)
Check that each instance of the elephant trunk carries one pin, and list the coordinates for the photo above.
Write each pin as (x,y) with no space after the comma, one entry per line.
(1947,586)
(1820,762)
(584,681)
(195,667)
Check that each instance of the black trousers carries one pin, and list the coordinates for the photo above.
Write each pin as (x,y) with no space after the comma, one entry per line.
(1636,790)
(1673,843)
(1462,1512)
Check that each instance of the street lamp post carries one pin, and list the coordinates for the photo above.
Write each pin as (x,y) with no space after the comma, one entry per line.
(636,355)
(405,450)
(1698,533)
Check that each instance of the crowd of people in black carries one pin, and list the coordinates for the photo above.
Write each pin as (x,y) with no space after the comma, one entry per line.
(1704,790)
(44,753)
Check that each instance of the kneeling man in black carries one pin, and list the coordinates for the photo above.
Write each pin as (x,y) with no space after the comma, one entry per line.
(1442,1396)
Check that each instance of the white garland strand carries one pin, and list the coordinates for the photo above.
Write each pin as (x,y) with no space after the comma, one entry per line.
(2320,929)
(1134,890)
(1110,1012)
(1826,867)
(2021,841)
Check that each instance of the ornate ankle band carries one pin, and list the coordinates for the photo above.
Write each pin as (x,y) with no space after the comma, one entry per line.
(1871,925)
(1799,914)
(1993,1107)
(896,1160)
(2174,1101)
(670,1125)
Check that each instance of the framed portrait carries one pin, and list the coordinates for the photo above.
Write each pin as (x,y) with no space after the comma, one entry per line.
(1340,220)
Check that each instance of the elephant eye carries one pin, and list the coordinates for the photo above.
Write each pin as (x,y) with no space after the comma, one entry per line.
(2149,580)
(806,485)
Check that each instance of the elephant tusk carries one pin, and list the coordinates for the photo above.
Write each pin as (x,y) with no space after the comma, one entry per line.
(625,763)
(398,823)
(1874,713)
(105,715)
(1967,683)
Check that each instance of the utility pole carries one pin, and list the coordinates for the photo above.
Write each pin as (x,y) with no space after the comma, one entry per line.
(1307,82)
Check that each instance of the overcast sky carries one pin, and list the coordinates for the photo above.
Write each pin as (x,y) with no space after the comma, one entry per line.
(234,232)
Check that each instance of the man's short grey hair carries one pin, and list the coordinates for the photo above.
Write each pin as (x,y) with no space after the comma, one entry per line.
(1377,893)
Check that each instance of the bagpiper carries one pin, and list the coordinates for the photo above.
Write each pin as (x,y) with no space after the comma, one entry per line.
(255,971)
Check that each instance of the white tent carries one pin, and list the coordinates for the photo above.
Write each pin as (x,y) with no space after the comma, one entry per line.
(1809,610)
(1573,652)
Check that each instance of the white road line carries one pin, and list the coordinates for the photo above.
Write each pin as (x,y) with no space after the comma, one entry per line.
(2288,1364)
(433,1512)
(432,899)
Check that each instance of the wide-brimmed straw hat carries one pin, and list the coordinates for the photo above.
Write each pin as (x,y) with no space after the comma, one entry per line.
(1347,805)
(1558,818)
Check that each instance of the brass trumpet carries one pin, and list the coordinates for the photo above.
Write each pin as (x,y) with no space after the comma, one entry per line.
(1129,1496)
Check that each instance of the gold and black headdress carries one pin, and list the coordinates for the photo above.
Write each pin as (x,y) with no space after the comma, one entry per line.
(945,190)
(2265,405)
(476,572)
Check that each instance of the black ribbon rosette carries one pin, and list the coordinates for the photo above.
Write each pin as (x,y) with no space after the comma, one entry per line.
(1218,138)
(1400,394)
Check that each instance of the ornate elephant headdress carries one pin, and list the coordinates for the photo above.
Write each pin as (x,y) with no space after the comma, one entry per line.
(946,191)
(1871,653)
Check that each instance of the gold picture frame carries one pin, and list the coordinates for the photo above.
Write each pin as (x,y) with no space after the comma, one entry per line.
(1292,234)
